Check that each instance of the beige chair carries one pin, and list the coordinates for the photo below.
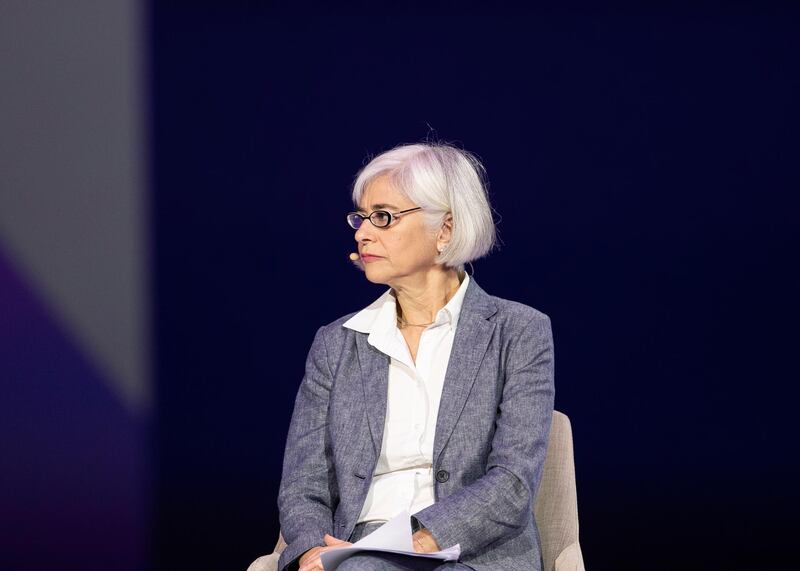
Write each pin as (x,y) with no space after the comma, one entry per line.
(555,510)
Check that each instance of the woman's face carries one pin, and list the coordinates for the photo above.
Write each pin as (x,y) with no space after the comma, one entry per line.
(406,248)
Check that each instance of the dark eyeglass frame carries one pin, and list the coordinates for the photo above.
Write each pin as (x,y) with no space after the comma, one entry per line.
(390,217)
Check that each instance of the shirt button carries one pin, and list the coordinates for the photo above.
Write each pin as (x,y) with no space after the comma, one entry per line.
(442,476)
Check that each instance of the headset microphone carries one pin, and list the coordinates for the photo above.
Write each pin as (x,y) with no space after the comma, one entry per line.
(354,256)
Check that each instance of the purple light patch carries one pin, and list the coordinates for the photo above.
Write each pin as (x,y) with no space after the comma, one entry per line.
(74,467)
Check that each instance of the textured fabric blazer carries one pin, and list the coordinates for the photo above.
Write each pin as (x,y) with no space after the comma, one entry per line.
(490,441)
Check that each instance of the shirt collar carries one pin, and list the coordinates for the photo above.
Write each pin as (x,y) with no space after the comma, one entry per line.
(379,318)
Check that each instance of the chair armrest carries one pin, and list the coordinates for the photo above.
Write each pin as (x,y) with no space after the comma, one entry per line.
(269,562)
(571,559)
(265,563)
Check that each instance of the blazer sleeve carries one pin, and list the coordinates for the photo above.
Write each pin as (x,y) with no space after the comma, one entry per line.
(498,505)
(307,495)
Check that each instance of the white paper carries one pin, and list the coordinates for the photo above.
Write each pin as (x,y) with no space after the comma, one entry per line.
(392,537)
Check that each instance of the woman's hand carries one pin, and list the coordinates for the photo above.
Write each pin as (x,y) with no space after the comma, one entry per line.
(424,542)
(311,560)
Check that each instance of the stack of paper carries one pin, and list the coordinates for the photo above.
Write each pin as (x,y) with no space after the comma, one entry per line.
(392,537)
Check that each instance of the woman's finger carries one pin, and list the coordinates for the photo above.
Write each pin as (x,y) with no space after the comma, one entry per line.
(314,562)
(331,541)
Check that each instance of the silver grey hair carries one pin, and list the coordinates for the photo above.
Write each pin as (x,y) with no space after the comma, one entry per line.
(440,178)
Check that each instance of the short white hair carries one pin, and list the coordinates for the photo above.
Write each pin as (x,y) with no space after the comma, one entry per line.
(440,178)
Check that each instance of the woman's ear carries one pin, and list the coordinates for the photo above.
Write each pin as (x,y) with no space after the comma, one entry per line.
(445,233)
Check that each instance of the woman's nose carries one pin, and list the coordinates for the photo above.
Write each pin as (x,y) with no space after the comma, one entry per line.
(364,232)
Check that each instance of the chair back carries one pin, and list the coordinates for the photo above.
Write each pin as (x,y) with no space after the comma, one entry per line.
(556,505)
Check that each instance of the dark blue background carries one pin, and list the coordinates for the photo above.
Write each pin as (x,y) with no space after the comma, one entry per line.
(643,164)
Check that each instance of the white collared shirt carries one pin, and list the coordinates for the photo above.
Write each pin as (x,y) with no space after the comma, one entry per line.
(403,478)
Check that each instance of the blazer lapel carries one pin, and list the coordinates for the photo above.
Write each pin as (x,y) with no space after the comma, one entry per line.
(375,379)
(473,334)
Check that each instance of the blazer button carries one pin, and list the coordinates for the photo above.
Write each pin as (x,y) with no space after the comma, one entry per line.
(442,476)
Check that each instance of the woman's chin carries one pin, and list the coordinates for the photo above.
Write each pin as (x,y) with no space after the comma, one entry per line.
(376,277)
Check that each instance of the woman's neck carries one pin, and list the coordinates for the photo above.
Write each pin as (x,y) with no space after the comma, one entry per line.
(420,300)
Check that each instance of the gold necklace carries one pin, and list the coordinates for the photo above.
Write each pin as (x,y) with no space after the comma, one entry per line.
(402,322)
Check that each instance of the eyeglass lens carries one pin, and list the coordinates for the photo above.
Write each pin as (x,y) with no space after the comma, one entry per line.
(379,218)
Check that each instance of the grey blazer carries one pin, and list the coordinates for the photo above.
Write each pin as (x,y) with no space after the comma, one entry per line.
(489,447)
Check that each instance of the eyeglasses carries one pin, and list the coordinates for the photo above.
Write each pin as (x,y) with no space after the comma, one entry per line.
(379,218)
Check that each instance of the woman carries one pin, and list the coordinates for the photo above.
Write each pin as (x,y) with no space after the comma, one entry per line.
(436,398)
